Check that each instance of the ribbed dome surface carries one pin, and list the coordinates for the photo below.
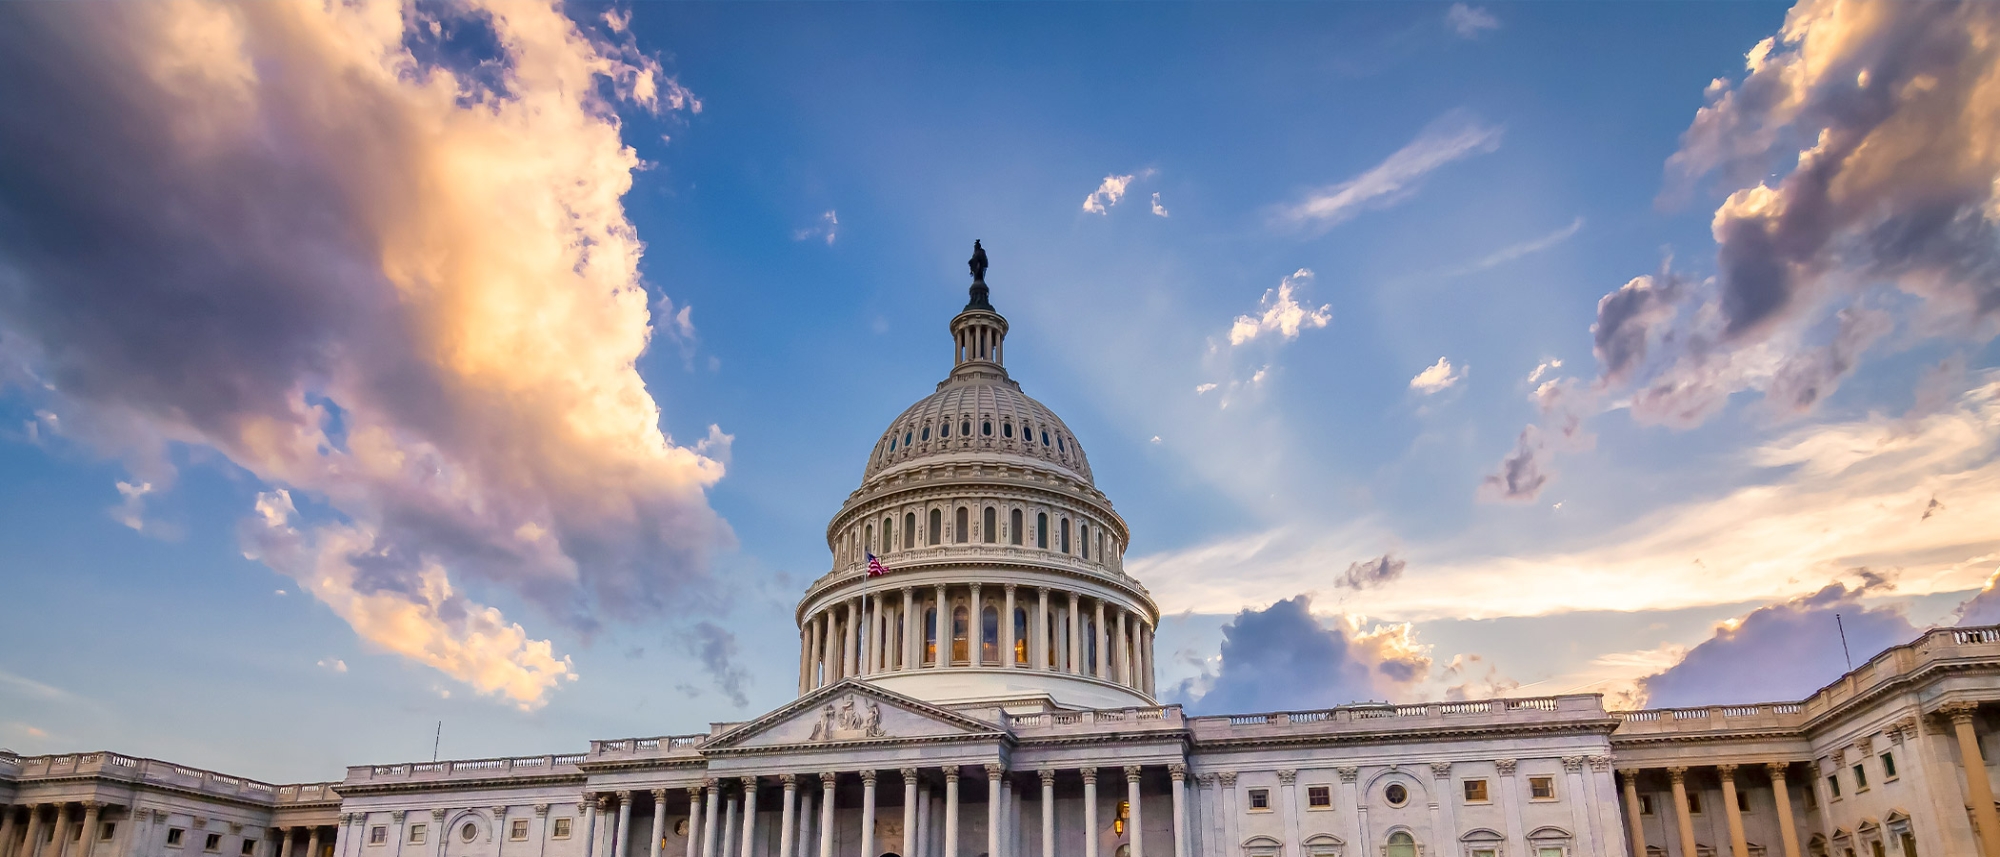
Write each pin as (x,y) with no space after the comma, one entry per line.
(985,414)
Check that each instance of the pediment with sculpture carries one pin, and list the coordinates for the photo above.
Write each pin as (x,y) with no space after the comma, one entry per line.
(850,712)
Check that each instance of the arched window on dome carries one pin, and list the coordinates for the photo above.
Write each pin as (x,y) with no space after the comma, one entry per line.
(1042,530)
(926,435)
(965,427)
(1064,536)
(989,635)
(944,429)
(1021,635)
(1089,643)
(986,428)
(988,531)
(892,444)
(937,527)
(1100,546)
(1059,444)
(909,529)
(871,538)
(1014,527)
(1007,430)
(888,536)
(961,529)
(930,635)
(1083,539)
(906,438)
(960,653)
(1045,437)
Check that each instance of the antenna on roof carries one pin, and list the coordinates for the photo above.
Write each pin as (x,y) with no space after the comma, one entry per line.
(439,737)
(1843,642)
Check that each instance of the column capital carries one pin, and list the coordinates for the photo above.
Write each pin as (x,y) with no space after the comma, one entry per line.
(1347,774)
(1727,772)
(909,774)
(791,781)
(624,795)
(868,777)
(1440,770)
(1177,771)
(993,772)
(1600,764)
(1089,776)
(90,804)
(541,809)
(1958,712)
(1506,766)
(1011,587)
(1777,770)
(1286,777)
(1132,773)
(827,779)
(500,812)
(749,784)
(1228,779)
(1205,780)
(710,783)
(397,815)
(1048,776)
(1677,774)
(950,774)
(1573,764)
(437,815)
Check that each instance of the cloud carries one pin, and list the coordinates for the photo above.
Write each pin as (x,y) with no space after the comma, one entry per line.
(1281,657)
(1983,608)
(131,511)
(1544,368)
(1437,377)
(335,664)
(825,229)
(1158,209)
(1469,21)
(717,650)
(1522,473)
(1525,248)
(1107,194)
(1818,500)
(1203,388)
(1380,571)
(1452,137)
(396,281)
(1465,680)
(1280,312)
(1781,652)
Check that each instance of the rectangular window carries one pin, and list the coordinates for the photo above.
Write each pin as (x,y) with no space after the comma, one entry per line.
(1812,798)
(1484,852)
(1319,797)
(1888,766)
(1860,778)
(1742,800)
(1833,785)
(1475,791)
(378,835)
(417,832)
(562,828)
(1260,800)
(105,831)
(212,843)
(174,836)
(249,846)
(1542,788)
(1694,803)
(517,829)
(1645,804)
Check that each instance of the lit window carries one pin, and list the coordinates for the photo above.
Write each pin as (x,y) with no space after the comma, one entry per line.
(989,635)
(1260,800)
(1020,634)
(1475,791)
(1888,766)
(959,644)
(517,829)
(1542,788)
(212,843)
(174,835)
(416,834)
(1396,794)
(930,635)
(1319,797)
(378,835)
(1860,778)
(562,829)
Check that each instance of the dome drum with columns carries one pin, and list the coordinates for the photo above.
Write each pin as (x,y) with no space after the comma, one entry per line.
(1006,578)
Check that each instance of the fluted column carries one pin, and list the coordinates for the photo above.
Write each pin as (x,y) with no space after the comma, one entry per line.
(951,811)
(659,822)
(1678,777)
(993,804)
(826,783)
(829,663)
(943,629)
(1738,843)
(1100,665)
(1978,789)
(787,813)
(1040,655)
(284,841)
(869,608)
(749,816)
(1135,655)
(31,844)
(1122,661)
(805,656)
(911,639)
(1633,819)
(1089,803)
(908,847)
(88,832)
(1138,827)
(1007,631)
(695,827)
(60,842)
(1179,774)
(1048,812)
(1788,833)
(620,835)
(867,812)
(850,640)
(1075,660)
(710,826)
(975,630)
(807,813)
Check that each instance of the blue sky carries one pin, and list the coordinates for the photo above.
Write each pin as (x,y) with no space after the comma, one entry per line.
(1298,276)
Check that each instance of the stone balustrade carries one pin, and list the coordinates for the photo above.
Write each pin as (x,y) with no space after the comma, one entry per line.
(664,746)
(1118,719)
(1381,716)
(115,766)
(467,769)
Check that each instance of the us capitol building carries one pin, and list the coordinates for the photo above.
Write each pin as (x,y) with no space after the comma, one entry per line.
(994,695)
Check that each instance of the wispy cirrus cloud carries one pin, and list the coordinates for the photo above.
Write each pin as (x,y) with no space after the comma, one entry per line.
(1526,248)
(1453,137)
(399,283)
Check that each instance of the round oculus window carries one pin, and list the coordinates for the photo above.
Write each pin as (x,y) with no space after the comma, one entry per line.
(467,832)
(1396,794)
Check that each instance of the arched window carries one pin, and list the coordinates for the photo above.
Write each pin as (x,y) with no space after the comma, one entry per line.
(909,529)
(1021,635)
(1014,526)
(986,428)
(937,526)
(961,529)
(888,539)
(871,538)
(1083,539)
(1401,844)
(1090,644)
(1059,444)
(965,427)
(1051,634)
(930,634)
(1065,536)
(944,429)
(927,433)
(987,530)
(959,652)
(989,635)
(906,438)
(1007,430)
(892,444)
(1045,438)
(1042,530)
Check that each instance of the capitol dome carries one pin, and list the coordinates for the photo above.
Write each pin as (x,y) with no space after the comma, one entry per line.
(998,571)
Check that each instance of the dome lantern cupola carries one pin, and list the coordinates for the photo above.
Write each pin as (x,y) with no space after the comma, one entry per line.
(979,331)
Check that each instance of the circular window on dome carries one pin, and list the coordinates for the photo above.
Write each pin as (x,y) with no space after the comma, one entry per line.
(1006,429)
(927,432)
(986,429)
(467,832)
(1396,794)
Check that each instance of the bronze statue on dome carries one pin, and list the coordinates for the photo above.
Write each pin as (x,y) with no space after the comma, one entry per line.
(978,262)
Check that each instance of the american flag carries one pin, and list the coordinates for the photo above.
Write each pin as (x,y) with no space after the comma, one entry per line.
(875,566)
